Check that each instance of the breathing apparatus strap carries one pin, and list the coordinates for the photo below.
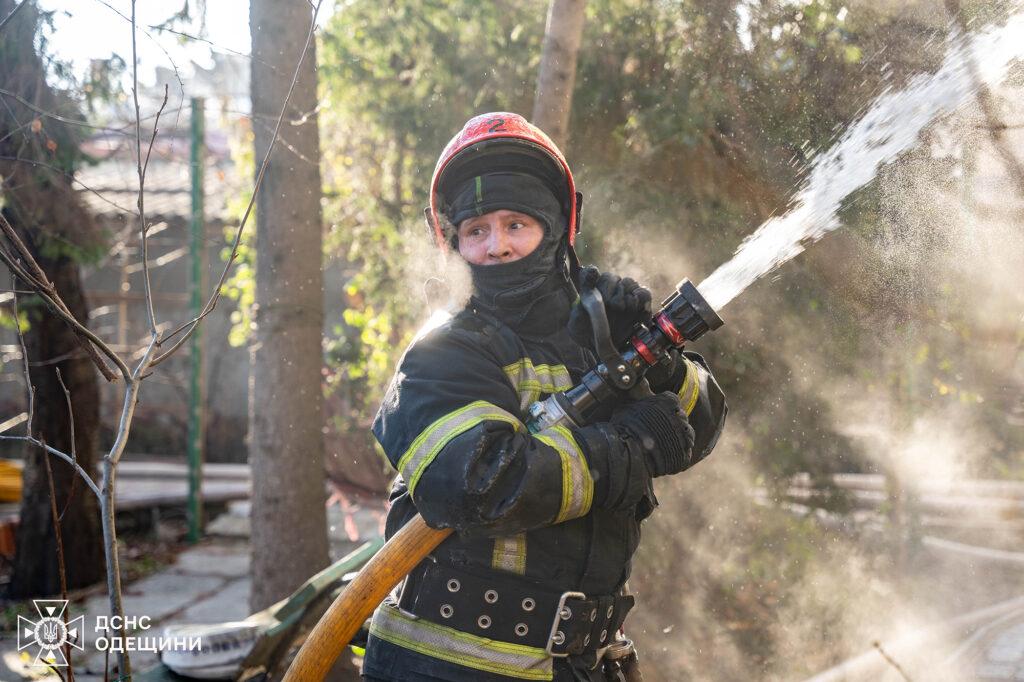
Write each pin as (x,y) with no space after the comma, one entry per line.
(574,259)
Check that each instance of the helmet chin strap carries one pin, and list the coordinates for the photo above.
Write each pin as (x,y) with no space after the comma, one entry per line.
(574,259)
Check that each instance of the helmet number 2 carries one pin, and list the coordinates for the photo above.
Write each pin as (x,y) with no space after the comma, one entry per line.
(497,125)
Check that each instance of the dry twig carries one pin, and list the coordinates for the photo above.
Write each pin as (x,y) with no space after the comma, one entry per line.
(71,428)
(28,270)
(890,660)
(58,536)
(30,390)
(142,166)
(73,180)
(13,12)
(190,326)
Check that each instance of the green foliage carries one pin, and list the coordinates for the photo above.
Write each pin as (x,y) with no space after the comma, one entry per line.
(8,320)
(688,119)
(379,151)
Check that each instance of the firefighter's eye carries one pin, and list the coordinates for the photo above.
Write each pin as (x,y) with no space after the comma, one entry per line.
(516,225)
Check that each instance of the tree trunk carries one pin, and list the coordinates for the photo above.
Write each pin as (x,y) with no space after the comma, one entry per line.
(47,213)
(289,524)
(558,69)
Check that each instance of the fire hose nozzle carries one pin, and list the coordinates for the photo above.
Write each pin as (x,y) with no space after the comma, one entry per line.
(686,314)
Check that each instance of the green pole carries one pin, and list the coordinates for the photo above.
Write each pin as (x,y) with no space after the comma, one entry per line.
(196,407)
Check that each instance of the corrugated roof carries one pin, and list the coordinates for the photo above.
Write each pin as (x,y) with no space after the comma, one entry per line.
(111,186)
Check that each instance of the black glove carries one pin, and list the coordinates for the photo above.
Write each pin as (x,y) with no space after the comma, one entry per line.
(668,374)
(625,302)
(659,425)
(644,438)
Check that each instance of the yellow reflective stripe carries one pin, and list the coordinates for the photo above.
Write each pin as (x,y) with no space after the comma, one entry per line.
(577,483)
(510,553)
(433,438)
(530,381)
(462,648)
(690,389)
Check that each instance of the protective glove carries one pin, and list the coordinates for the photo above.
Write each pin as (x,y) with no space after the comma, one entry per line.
(625,302)
(660,426)
(644,438)
(668,374)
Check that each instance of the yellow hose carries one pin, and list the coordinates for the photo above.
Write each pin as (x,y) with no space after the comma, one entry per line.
(342,620)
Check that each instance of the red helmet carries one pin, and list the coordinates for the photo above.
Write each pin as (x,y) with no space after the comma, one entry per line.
(501,142)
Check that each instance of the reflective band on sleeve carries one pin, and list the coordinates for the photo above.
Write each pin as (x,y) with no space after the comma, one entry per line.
(690,389)
(433,438)
(510,553)
(461,648)
(577,484)
(530,382)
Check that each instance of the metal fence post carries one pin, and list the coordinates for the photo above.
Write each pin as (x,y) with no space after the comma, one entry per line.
(197,392)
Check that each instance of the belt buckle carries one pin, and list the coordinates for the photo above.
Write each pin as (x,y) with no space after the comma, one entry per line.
(558,619)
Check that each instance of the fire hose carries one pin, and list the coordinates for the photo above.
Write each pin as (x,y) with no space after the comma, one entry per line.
(683,316)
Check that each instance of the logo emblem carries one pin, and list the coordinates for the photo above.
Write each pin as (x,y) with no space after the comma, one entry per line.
(49,633)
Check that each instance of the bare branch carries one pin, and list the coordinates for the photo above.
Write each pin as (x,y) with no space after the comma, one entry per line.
(890,661)
(190,326)
(71,178)
(152,139)
(29,388)
(59,537)
(189,36)
(57,117)
(170,60)
(34,269)
(131,399)
(56,671)
(36,278)
(67,458)
(87,339)
(13,12)
(142,166)
(71,428)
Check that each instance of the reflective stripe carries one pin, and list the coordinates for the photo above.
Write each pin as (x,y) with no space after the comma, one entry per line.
(510,553)
(690,389)
(433,438)
(462,648)
(577,484)
(530,381)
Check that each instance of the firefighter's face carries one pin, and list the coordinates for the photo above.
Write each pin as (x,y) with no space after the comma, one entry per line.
(500,236)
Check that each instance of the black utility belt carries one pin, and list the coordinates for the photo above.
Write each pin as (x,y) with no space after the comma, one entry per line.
(513,609)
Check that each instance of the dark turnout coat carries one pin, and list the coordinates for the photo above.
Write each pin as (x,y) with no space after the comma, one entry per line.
(527,508)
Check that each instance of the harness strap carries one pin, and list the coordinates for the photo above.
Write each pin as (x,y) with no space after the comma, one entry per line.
(513,609)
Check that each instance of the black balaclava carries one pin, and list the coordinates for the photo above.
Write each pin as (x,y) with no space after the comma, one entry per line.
(533,294)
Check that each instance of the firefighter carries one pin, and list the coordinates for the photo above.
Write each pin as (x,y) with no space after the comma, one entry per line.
(531,585)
